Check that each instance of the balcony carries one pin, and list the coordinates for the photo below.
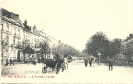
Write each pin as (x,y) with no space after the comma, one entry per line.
(19,46)
(7,32)
(12,45)
(17,36)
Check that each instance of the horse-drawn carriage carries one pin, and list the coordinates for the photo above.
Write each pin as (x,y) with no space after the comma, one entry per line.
(55,64)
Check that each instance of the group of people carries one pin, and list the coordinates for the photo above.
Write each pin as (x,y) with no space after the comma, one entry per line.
(10,61)
(90,62)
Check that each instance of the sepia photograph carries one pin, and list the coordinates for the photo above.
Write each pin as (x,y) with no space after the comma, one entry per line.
(66,41)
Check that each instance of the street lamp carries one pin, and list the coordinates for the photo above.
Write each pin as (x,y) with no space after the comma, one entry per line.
(99,54)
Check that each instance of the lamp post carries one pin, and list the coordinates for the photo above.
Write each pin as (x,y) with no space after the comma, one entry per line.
(99,55)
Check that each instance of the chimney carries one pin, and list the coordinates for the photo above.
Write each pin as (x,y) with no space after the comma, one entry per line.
(34,26)
(25,22)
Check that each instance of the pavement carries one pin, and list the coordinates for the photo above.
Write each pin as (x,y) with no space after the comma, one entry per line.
(76,73)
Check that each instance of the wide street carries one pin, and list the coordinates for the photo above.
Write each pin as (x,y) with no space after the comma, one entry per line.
(76,73)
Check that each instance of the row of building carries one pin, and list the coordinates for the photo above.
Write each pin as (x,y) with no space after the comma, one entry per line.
(16,35)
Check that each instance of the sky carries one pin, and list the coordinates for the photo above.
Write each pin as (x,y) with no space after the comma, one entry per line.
(75,21)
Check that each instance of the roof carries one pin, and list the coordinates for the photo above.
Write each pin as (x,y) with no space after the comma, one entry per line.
(125,42)
(11,15)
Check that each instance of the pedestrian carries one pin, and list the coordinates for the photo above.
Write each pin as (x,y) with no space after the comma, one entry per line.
(10,61)
(110,64)
(34,60)
(13,62)
(7,62)
(90,62)
(86,62)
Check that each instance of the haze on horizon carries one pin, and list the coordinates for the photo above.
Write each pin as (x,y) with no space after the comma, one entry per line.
(75,21)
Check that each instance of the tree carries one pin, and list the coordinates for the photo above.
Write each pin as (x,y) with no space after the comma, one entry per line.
(4,46)
(45,49)
(98,43)
(27,49)
(66,50)
(115,47)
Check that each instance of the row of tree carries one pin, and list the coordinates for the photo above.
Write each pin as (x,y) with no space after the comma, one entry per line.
(99,43)
(67,50)
(45,49)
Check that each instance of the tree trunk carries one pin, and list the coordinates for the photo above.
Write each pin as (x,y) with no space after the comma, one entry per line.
(42,58)
(45,55)
(24,57)
(29,57)
(128,61)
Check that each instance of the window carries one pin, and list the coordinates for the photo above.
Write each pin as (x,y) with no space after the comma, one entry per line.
(14,30)
(18,42)
(7,39)
(24,36)
(32,39)
(2,26)
(7,25)
(19,32)
(14,40)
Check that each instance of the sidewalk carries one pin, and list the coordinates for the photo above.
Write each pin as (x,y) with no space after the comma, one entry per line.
(20,69)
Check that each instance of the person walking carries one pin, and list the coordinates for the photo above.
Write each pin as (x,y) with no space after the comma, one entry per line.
(13,62)
(7,62)
(10,61)
(34,60)
(90,62)
(86,62)
(110,64)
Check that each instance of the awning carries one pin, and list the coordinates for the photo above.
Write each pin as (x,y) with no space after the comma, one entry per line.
(28,50)
(37,50)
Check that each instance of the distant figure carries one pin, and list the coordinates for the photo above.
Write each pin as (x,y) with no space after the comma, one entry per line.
(10,61)
(86,62)
(13,62)
(34,60)
(110,64)
(90,62)
(7,62)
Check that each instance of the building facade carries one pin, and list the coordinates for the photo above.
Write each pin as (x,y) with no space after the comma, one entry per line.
(128,44)
(11,34)
(16,36)
(127,48)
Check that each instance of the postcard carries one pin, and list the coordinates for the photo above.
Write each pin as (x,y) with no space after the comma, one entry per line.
(66,41)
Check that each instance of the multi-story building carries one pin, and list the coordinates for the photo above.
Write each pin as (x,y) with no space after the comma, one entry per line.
(16,36)
(127,48)
(11,34)
(53,43)
(0,36)
(128,44)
